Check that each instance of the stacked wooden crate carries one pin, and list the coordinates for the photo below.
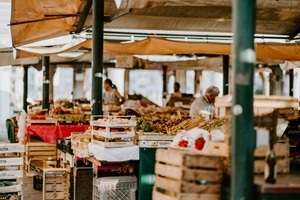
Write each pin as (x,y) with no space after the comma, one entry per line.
(263,111)
(282,152)
(39,151)
(187,175)
(65,159)
(55,184)
(11,166)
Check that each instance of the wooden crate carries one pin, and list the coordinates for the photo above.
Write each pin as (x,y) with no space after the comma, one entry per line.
(38,151)
(55,184)
(262,105)
(282,152)
(181,175)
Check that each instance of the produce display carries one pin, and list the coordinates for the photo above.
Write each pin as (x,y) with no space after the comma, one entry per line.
(69,115)
(195,138)
(113,131)
(171,126)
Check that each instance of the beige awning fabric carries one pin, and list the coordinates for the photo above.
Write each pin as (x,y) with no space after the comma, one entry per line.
(161,46)
(156,45)
(33,20)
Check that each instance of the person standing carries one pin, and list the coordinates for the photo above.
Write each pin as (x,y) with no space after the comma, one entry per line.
(177,92)
(206,102)
(111,95)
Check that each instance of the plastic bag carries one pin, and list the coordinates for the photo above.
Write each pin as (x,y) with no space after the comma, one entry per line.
(22,125)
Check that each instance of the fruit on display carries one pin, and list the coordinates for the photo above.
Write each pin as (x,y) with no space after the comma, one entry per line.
(199,143)
(183,143)
(69,115)
(212,124)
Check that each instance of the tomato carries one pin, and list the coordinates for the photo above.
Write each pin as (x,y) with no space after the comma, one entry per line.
(183,143)
(199,143)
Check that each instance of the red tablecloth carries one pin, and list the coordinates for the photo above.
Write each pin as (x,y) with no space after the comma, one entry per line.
(49,133)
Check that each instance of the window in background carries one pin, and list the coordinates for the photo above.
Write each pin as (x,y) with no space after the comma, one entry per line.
(190,81)
(210,78)
(63,83)
(171,82)
(147,83)
(35,85)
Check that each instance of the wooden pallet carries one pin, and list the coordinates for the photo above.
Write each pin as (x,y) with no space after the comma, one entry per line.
(186,175)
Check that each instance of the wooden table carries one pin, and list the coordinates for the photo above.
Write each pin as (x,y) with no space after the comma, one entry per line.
(287,187)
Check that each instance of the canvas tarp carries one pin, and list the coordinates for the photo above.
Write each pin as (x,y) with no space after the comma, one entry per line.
(161,46)
(33,20)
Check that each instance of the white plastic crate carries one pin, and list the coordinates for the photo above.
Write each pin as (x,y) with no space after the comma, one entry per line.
(12,188)
(109,188)
(10,174)
(11,161)
(12,148)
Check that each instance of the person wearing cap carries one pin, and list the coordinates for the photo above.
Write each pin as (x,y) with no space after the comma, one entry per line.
(205,103)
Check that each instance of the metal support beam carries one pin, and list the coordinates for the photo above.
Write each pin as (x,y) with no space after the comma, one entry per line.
(165,82)
(46,81)
(291,86)
(83,16)
(243,137)
(25,88)
(225,74)
(97,68)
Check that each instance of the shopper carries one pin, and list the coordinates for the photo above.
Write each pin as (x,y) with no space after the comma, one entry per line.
(111,95)
(177,92)
(206,102)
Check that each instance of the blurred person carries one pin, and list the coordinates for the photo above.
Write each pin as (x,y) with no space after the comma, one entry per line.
(177,92)
(205,103)
(111,95)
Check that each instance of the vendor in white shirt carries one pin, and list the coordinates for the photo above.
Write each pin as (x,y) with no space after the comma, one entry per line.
(205,103)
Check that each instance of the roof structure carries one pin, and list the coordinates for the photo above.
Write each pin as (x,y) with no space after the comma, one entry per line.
(134,20)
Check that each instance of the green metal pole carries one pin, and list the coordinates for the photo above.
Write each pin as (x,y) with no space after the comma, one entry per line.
(25,88)
(46,81)
(243,137)
(225,74)
(291,86)
(97,68)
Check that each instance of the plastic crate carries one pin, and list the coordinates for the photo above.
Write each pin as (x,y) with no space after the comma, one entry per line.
(67,146)
(121,188)
(38,183)
(83,183)
(79,162)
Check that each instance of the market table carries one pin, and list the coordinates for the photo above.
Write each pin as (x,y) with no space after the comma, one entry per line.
(50,132)
(287,187)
